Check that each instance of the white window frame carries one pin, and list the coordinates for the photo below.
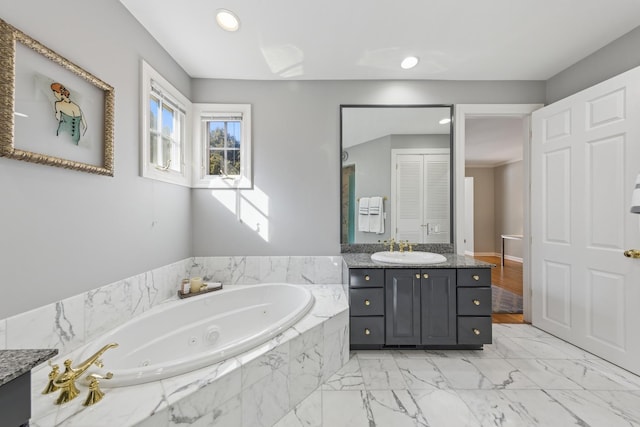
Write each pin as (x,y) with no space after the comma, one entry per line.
(201,177)
(152,170)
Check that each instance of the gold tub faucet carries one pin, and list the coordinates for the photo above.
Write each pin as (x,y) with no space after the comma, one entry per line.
(66,381)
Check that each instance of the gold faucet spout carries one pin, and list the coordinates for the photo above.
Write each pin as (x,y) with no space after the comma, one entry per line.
(67,380)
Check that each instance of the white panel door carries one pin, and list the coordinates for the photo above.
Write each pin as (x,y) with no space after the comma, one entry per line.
(409,197)
(585,158)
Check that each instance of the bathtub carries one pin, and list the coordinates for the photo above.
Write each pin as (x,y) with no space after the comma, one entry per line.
(185,335)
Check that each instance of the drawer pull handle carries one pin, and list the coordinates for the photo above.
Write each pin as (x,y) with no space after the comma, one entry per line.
(476,302)
(476,331)
(476,277)
(367,302)
(367,331)
(418,276)
(366,277)
(425,275)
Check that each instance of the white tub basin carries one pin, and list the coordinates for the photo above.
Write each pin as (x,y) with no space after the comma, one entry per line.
(412,258)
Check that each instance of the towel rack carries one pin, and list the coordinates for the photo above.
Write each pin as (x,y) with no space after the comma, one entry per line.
(384,199)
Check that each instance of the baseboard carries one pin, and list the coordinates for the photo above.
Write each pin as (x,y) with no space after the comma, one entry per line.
(486,254)
(513,258)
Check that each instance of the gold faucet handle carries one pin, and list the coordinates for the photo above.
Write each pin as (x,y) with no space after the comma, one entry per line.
(410,246)
(95,394)
(51,387)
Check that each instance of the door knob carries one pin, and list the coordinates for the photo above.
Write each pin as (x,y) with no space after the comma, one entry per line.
(476,302)
(367,331)
(632,253)
(476,331)
(425,275)
(475,277)
(367,302)
(367,278)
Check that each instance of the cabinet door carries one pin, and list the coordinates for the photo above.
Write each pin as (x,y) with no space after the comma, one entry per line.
(402,315)
(438,300)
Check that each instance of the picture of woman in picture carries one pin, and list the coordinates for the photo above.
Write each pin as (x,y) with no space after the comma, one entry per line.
(68,113)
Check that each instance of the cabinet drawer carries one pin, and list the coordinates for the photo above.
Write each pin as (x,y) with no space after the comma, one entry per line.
(366,330)
(474,301)
(474,277)
(366,278)
(474,330)
(366,302)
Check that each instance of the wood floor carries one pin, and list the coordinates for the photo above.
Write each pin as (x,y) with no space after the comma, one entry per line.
(508,277)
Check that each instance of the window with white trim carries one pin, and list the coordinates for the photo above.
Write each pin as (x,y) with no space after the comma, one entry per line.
(165,133)
(223,148)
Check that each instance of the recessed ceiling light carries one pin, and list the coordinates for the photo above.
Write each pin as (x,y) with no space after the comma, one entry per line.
(409,62)
(445,121)
(227,20)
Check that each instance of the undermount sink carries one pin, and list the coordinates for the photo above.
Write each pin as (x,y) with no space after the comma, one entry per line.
(413,258)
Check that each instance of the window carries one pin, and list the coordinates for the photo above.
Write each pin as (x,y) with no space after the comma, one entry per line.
(223,153)
(165,143)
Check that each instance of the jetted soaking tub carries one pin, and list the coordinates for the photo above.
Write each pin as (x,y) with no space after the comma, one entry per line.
(185,335)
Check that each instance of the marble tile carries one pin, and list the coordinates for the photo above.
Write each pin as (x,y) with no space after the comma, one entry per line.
(266,401)
(258,367)
(245,270)
(144,292)
(625,404)
(107,307)
(507,348)
(542,374)
(349,377)
(547,348)
(381,374)
(592,375)
(395,408)
(336,348)
(375,354)
(159,419)
(346,409)
(461,374)
(517,330)
(306,339)
(228,413)
(444,408)
(327,269)
(421,374)
(493,408)
(502,374)
(591,409)
(301,270)
(305,373)
(60,325)
(307,413)
(273,269)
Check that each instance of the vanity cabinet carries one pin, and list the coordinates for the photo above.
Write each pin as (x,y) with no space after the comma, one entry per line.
(438,307)
(421,306)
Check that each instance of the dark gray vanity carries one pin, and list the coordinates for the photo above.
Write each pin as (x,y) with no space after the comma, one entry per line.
(15,384)
(445,305)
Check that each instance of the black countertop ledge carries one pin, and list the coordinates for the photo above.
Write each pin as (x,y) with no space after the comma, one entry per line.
(14,363)
(362,260)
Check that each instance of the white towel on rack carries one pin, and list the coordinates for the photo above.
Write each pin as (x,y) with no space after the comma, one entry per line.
(363,214)
(376,215)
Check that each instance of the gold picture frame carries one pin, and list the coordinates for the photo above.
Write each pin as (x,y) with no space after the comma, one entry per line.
(52,111)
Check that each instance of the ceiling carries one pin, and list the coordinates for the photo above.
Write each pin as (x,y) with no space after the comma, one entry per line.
(493,141)
(366,39)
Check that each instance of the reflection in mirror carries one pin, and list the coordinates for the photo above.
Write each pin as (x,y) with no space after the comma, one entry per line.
(396,173)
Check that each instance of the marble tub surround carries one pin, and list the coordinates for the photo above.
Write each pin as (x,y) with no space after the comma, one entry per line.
(14,363)
(525,378)
(247,270)
(255,388)
(70,323)
(363,260)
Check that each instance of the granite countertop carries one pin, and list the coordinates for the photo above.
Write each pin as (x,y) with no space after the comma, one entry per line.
(14,363)
(362,260)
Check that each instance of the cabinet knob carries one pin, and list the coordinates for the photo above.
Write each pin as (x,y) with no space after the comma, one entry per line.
(476,302)
(476,277)
(367,331)
(425,275)
(367,302)
(476,331)
(418,276)
(366,277)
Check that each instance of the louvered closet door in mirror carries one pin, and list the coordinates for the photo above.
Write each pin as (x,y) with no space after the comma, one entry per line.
(420,195)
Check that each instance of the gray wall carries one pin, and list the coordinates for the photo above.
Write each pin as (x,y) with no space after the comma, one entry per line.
(483,210)
(617,57)
(65,232)
(508,206)
(297,155)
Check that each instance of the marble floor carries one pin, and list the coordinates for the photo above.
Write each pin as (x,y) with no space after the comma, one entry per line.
(525,378)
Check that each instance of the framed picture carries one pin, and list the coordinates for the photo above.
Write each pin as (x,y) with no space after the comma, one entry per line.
(52,111)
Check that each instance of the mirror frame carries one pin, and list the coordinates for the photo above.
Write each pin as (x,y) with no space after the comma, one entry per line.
(435,247)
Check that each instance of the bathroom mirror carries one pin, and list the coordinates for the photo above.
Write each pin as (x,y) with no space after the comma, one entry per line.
(396,179)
